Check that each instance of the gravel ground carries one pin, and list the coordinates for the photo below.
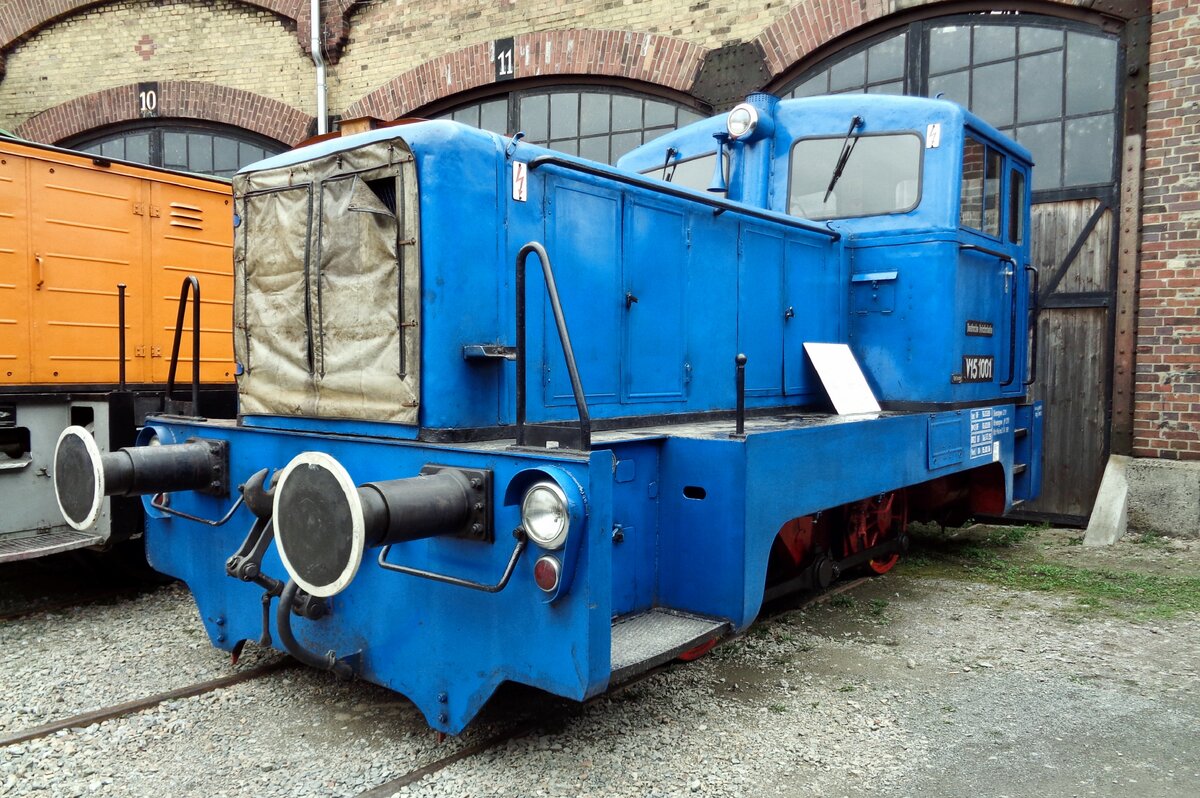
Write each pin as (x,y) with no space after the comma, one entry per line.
(912,684)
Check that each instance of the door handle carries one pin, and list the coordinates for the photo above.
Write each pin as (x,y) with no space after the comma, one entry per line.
(629,299)
(1008,273)
(41,271)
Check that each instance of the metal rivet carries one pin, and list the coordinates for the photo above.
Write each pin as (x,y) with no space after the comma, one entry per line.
(443,698)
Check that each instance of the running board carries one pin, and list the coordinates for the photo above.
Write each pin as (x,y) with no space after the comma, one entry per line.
(45,543)
(643,641)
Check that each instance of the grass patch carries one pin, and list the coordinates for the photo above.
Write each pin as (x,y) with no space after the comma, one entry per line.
(998,557)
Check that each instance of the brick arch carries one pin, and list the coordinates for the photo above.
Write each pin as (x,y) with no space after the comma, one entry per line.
(646,57)
(176,99)
(20,19)
(811,24)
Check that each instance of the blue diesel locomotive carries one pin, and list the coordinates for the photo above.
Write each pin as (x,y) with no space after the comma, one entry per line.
(510,415)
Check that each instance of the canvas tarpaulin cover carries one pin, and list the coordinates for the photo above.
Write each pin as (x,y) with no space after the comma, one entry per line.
(327,286)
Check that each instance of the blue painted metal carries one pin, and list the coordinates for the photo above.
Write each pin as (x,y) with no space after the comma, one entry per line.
(660,292)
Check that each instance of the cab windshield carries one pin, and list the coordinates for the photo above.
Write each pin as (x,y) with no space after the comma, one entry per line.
(881,174)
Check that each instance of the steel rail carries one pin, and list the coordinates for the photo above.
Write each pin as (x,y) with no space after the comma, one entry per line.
(530,726)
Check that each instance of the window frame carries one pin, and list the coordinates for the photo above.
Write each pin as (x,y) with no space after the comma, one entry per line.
(875,134)
(159,126)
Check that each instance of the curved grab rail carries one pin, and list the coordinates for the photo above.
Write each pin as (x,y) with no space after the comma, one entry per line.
(585,421)
(190,285)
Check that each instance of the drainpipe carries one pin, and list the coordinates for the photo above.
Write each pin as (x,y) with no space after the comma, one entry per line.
(319,63)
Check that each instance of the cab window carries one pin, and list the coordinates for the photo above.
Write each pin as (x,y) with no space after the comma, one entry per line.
(1016,206)
(879,174)
(979,201)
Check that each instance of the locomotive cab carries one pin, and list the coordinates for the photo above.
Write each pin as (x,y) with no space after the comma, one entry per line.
(933,204)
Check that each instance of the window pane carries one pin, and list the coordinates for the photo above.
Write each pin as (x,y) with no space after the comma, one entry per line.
(200,154)
(1091,73)
(626,113)
(817,84)
(993,93)
(887,88)
(1039,87)
(687,117)
(564,114)
(991,193)
(994,42)
(623,143)
(248,154)
(971,188)
(468,115)
(885,61)
(225,156)
(137,147)
(569,146)
(1016,206)
(1034,38)
(949,48)
(535,117)
(1089,154)
(113,148)
(1045,142)
(849,73)
(493,116)
(952,87)
(659,114)
(882,175)
(175,150)
(593,114)
(594,148)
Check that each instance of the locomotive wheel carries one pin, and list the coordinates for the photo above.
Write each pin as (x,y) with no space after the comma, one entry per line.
(869,523)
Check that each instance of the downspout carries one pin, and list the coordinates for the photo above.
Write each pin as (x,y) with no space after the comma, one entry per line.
(319,63)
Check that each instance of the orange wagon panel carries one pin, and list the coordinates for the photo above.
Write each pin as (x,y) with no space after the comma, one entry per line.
(71,229)
(15,270)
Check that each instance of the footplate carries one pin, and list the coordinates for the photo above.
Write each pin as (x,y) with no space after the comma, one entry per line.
(38,545)
(642,641)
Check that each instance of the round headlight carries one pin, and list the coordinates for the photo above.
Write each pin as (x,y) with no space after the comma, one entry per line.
(545,515)
(741,121)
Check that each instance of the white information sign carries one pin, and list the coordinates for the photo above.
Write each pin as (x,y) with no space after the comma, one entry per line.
(842,378)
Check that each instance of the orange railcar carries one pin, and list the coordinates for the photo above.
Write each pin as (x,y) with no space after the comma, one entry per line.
(73,227)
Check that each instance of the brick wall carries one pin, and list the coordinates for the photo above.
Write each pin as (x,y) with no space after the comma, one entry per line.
(1167,403)
(388,38)
(117,44)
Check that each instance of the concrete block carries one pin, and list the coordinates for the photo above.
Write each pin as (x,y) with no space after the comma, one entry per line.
(1110,514)
(1164,497)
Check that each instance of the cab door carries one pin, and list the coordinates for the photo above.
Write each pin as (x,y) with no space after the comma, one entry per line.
(988,274)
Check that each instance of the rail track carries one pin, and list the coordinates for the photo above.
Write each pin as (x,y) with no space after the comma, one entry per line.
(528,727)
(518,731)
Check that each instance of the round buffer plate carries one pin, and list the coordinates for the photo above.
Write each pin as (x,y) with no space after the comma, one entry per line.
(319,526)
(78,477)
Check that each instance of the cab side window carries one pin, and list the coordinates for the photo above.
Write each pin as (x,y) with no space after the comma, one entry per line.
(979,201)
(1016,206)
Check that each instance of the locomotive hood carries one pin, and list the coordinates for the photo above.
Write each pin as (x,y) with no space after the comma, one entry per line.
(327,283)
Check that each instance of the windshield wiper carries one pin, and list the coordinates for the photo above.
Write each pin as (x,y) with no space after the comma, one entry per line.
(669,176)
(847,148)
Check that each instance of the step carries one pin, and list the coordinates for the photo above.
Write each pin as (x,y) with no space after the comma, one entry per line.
(39,545)
(642,641)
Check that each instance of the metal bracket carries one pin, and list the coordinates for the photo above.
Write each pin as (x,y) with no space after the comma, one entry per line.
(489,352)
(479,524)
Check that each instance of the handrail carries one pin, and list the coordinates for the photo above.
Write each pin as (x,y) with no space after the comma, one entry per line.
(585,421)
(1031,378)
(719,205)
(190,283)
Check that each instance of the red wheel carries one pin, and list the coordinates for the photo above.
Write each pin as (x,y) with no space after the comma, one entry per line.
(699,651)
(872,521)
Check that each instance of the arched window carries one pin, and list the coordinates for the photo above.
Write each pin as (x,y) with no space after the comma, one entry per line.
(597,123)
(1050,84)
(190,147)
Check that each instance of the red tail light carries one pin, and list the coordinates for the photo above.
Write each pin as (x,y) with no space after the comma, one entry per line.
(546,573)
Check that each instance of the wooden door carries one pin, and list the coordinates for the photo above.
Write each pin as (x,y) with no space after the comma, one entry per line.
(1073,249)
